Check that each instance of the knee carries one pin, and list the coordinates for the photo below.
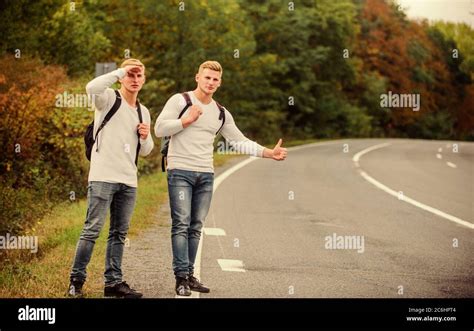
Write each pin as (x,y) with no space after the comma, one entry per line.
(194,233)
(179,230)
(118,234)
(180,222)
(90,234)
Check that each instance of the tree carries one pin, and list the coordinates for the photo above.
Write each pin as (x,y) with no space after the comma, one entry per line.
(463,37)
(57,32)
(412,63)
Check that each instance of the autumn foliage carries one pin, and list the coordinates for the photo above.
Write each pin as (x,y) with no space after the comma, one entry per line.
(403,52)
(36,162)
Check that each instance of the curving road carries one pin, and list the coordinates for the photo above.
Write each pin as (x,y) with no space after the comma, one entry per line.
(281,218)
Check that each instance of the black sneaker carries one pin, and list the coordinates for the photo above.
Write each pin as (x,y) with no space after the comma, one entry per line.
(182,287)
(121,290)
(75,288)
(196,285)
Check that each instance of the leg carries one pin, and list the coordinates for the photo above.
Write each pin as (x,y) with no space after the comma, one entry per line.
(121,211)
(180,189)
(201,202)
(99,197)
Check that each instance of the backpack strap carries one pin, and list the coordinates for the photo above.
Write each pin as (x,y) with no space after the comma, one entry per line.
(221,116)
(189,103)
(140,118)
(163,163)
(108,116)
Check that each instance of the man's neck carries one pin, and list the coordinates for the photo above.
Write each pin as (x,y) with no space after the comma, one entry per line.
(203,97)
(130,97)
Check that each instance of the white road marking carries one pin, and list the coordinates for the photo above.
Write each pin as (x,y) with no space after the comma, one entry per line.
(405,198)
(357,156)
(214,232)
(452,165)
(231,265)
(439,156)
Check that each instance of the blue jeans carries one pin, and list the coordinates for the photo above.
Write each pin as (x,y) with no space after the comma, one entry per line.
(190,194)
(101,196)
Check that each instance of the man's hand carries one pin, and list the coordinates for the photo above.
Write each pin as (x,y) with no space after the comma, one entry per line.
(133,69)
(192,115)
(278,153)
(143,130)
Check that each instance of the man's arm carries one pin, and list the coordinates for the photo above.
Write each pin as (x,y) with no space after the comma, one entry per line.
(168,124)
(99,85)
(243,145)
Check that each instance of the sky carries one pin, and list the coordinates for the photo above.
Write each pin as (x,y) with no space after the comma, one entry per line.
(447,10)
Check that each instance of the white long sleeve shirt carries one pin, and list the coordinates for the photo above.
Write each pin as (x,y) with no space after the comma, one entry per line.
(191,148)
(114,162)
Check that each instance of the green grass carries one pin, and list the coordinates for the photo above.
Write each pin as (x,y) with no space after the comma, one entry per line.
(47,273)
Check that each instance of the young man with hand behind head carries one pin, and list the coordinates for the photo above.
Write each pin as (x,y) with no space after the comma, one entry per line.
(113,174)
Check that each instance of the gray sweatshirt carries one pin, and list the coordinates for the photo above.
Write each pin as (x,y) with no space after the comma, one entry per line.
(192,148)
(115,160)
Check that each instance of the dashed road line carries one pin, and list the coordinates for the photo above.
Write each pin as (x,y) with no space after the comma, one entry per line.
(214,232)
(231,265)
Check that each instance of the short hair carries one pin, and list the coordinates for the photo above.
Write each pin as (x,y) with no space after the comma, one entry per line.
(134,62)
(213,65)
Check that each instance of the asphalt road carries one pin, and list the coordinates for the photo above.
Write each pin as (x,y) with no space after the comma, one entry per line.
(280,217)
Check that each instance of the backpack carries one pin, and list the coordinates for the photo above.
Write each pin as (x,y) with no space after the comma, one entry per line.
(165,141)
(89,138)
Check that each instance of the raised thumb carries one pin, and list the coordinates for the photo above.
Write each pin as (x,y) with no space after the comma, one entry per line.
(279,143)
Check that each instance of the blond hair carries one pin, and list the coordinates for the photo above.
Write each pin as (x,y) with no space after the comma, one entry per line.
(212,65)
(133,62)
